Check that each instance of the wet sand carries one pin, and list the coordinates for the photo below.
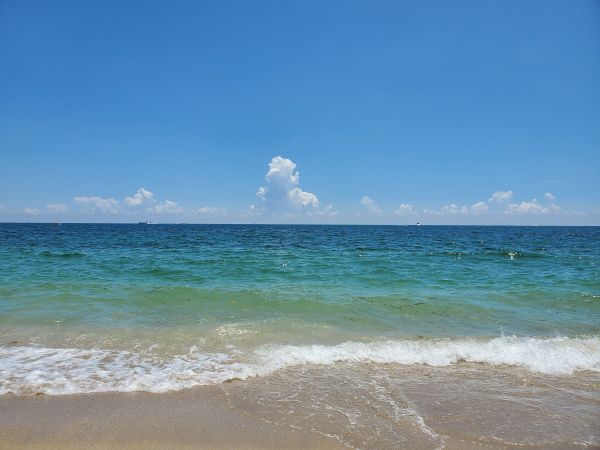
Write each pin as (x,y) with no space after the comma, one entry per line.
(196,418)
(461,406)
(465,406)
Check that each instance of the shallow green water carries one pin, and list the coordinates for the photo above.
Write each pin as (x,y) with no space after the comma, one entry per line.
(438,281)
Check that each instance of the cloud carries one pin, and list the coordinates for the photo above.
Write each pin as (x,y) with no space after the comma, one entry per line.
(166,207)
(282,191)
(549,196)
(479,208)
(501,196)
(454,209)
(482,207)
(327,211)
(532,207)
(554,208)
(105,205)
(303,198)
(404,210)
(31,211)
(371,204)
(57,207)
(141,196)
(145,197)
(209,210)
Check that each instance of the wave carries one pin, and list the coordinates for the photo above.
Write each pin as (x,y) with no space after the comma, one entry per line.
(555,356)
(27,370)
(32,370)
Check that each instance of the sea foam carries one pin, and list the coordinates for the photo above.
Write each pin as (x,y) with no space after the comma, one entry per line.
(556,356)
(26,370)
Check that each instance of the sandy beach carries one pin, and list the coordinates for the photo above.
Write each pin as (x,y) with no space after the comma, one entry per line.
(468,406)
(197,418)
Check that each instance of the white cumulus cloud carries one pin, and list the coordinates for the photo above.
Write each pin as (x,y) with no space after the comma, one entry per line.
(282,192)
(501,196)
(303,198)
(549,196)
(371,204)
(141,196)
(104,205)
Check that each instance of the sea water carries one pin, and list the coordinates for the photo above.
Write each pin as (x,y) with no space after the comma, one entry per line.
(125,307)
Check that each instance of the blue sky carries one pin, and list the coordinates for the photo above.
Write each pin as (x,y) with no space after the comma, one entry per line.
(392,112)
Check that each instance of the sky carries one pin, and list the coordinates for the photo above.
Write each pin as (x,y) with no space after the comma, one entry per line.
(367,112)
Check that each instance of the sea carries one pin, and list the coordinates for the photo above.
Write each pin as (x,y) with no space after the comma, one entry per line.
(373,335)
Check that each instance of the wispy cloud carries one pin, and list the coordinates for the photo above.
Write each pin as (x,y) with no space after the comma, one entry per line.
(479,208)
(493,205)
(327,211)
(405,210)
(453,208)
(57,208)
(532,207)
(166,207)
(501,196)
(282,198)
(208,210)
(129,205)
(31,211)
(93,203)
(370,204)
(475,209)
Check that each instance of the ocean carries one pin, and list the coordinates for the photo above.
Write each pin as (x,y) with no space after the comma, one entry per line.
(339,329)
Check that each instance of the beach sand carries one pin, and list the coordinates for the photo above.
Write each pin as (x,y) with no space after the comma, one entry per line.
(195,418)
(468,406)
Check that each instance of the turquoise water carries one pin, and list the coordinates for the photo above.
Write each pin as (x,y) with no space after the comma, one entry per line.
(245,292)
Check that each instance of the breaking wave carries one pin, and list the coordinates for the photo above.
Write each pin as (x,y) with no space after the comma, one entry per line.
(27,370)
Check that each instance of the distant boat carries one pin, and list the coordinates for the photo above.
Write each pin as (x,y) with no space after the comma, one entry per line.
(147,222)
(418,223)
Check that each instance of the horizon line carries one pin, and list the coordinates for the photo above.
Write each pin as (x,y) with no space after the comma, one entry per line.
(298,224)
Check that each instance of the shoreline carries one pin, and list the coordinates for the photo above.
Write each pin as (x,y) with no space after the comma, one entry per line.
(469,406)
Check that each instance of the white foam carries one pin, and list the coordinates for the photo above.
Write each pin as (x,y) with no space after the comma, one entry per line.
(26,369)
(557,356)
